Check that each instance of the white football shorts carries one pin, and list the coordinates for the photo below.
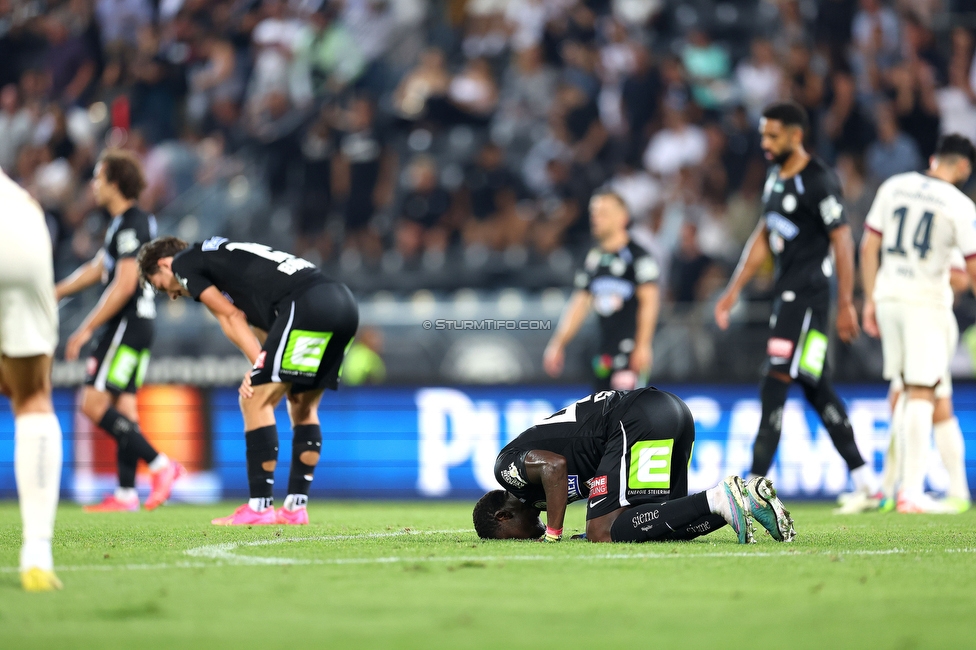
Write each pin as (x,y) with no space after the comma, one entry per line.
(917,342)
(28,311)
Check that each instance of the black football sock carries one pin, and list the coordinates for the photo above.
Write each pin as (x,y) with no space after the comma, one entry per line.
(308,437)
(262,446)
(127,462)
(773,393)
(704,526)
(835,420)
(659,521)
(128,435)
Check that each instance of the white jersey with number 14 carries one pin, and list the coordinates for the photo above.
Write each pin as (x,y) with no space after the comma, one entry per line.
(920,220)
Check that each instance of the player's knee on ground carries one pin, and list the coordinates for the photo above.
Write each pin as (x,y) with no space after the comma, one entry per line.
(598,530)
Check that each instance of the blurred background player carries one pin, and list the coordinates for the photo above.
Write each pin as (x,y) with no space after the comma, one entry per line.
(618,280)
(293,324)
(802,222)
(124,319)
(914,223)
(948,435)
(28,337)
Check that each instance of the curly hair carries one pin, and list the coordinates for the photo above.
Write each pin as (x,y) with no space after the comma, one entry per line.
(123,170)
(485,523)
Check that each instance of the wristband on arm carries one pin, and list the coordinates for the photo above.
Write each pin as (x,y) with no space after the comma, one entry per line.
(553,534)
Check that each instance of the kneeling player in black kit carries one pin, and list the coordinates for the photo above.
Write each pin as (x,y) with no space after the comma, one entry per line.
(627,452)
(292,323)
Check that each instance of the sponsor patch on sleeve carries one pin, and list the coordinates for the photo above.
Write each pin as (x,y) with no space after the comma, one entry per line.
(127,241)
(512,477)
(598,486)
(646,270)
(830,210)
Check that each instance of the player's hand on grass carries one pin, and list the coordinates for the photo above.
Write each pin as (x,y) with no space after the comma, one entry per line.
(72,349)
(553,359)
(869,318)
(723,309)
(246,390)
(847,327)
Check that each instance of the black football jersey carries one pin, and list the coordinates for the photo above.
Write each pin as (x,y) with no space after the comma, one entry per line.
(123,239)
(578,432)
(800,213)
(254,277)
(612,279)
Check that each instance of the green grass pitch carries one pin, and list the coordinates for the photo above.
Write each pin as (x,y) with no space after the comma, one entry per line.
(414,575)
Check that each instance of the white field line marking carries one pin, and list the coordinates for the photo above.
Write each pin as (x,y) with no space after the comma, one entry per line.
(223,555)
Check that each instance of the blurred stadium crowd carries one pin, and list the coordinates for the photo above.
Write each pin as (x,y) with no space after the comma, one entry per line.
(442,144)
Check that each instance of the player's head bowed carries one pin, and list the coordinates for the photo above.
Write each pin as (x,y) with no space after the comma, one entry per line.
(499,515)
(155,264)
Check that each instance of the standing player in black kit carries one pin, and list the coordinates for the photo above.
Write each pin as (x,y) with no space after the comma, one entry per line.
(802,222)
(627,453)
(125,321)
(293,324)
(618,280)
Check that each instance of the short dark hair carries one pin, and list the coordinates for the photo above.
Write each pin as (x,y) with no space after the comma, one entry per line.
(485,523)
(152,252)
(956,145)
(789,113)
(123,170)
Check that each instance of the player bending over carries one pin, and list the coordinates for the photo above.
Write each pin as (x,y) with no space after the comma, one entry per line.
(627,452)
(28,337)
(912,227)
(292,323)
(124,319)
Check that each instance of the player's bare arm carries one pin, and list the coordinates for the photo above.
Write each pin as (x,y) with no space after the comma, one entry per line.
(971,270)
(118,292)
(648,303)
(870,250)
(755,254)
(232,322)
(549,469)
(86,275)
(842,244)
(958,280)
(570,323)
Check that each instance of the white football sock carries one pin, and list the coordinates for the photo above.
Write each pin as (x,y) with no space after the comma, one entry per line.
(260,504)
(718,503)
(918,427)
(891,474)
(126,494)
(864,480)
(295,501)
(952,448)
(37,465)
(161,461)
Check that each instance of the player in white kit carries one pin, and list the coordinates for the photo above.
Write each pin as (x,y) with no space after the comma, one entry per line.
(948,436)
(28,336)
(914,223)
